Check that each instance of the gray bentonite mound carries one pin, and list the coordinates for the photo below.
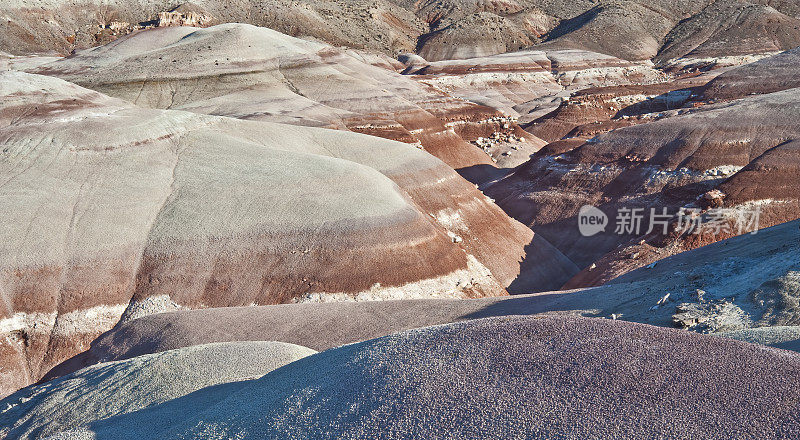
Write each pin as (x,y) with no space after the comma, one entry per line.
(114,388)
(546,377)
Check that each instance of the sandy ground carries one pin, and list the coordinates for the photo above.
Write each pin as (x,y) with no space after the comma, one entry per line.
(546,377)
(122,387)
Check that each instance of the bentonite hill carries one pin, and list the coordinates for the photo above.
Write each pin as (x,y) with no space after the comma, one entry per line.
(396,219)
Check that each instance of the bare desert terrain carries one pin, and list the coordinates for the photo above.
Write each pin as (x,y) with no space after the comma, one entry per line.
(396,219)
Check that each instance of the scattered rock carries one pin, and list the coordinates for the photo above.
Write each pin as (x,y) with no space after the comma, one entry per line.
(712,199)
(710,317)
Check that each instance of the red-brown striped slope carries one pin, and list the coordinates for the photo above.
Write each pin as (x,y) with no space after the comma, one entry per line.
(256,73)
(742,154)
(119,209)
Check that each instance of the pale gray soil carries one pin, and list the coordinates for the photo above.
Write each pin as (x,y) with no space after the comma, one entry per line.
(534,378)
(785,337)
(121,387)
